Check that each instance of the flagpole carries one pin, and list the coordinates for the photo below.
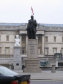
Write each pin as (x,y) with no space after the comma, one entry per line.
(32,11)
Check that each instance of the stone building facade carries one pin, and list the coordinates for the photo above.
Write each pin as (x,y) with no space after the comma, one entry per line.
(50,44)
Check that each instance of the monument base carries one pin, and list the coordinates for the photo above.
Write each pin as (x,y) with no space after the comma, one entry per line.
(17,58)
(32,65)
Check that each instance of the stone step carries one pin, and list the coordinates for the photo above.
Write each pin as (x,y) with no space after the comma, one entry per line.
(32,66)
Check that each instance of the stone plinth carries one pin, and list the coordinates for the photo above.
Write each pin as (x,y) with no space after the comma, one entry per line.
(32,49)
(17,58)
(53,69)
(32,64)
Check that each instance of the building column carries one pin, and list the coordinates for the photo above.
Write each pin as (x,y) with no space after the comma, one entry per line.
(43,45)
(26,43)
(37,40)
(20,40)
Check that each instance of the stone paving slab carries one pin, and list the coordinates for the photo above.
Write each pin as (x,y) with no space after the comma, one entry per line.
(45,75)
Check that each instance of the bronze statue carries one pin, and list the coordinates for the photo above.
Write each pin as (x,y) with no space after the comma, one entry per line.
(31,28)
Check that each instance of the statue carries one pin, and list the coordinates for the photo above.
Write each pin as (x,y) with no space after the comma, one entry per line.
(17,41)
(31,28)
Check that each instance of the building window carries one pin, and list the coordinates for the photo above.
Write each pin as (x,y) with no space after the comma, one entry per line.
(46,38)
(7,38)
(7,50)
(24,39)
(39,44)
(62,39)
(0,50)
(54,50)
(23,50)
(39,39)
(0,37)
(62,51)
(60,64)
(40,50)
(54,38)
(46,51)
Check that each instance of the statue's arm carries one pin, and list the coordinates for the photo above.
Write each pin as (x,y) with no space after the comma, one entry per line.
(28,25)
(35,23)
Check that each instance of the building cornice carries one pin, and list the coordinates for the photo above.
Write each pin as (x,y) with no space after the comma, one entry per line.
(22,27)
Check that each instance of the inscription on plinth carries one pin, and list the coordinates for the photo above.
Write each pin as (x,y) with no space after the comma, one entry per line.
(32,49)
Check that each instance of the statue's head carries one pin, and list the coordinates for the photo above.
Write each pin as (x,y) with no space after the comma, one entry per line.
(32,17)
(17,36)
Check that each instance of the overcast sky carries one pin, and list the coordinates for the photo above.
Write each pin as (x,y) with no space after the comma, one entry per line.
(19,11)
